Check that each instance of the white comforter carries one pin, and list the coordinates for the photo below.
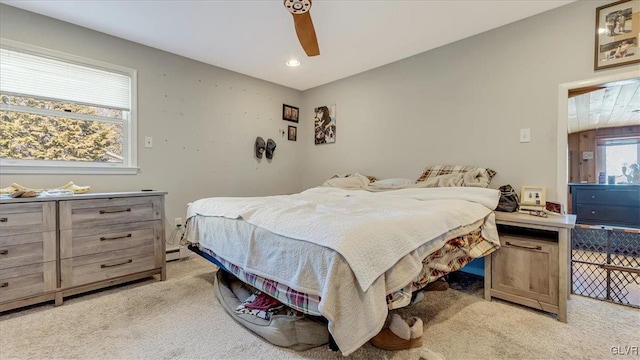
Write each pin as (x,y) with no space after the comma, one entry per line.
(372,232)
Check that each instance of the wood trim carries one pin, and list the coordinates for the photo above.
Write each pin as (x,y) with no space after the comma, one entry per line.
(101,284)
(584,90)
(31,300)
(525,301)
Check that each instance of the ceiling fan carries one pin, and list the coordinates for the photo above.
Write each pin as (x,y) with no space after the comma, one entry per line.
(304,25)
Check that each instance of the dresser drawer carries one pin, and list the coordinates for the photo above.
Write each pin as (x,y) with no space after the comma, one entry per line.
(608,214)
(98,212)
(87,269)
(619,196)
(25,249)
(87,241)
(29,280)
(25,218)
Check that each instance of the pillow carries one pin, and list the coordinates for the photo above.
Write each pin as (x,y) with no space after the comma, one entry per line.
(371,178)
(438,170)
(395,182)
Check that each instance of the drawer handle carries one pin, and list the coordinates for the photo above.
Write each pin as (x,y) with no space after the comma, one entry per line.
(114,211)
(115,238)
(593,212)
(524,246)
(593,196)
(112,265)
(4,219)
(4,284)
(4,252)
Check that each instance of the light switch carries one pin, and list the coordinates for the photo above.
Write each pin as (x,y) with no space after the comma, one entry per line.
(525,135)
(587,155)
(148,142)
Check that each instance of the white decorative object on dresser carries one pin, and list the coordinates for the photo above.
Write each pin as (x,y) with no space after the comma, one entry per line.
(53,247)
(532,267)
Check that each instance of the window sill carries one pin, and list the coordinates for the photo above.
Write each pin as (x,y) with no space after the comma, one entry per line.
(62,170)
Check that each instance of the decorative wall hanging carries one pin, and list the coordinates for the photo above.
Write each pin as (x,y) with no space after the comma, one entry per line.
(617,32)
(325,124)
(290,113)
(293,133)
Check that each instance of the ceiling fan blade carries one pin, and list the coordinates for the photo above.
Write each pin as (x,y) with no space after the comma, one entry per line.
(306,33)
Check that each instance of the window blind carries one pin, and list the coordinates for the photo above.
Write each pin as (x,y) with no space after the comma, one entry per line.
(31,75)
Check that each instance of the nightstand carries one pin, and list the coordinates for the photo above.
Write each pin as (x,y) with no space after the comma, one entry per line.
(532,266)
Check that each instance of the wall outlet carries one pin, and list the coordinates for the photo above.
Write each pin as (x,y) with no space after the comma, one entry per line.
(177,222)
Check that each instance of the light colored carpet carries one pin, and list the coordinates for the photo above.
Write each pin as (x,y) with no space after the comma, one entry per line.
(181,319)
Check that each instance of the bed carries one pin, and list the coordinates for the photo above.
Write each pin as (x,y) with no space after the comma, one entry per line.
(342,249)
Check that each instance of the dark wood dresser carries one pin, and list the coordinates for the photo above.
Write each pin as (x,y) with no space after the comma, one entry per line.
(606,204)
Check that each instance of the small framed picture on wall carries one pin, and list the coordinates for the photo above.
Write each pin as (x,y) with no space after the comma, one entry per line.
(290,113)
(293,133)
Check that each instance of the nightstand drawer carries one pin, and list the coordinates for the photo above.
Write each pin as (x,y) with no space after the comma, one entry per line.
(87,241)
(526,268)
(25,249)
(26,218)
(87,269)
(29,280)
(91,213)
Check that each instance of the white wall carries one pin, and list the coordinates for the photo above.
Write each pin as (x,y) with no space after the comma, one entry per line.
(203,120)
(462,103)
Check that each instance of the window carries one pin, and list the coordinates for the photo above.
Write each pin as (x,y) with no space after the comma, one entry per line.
(617,155)
(63,114)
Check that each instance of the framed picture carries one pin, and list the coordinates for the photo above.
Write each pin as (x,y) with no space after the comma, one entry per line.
(324,122)
(533,196)
(293,133)
(617,32)
(554,207)
(289,113)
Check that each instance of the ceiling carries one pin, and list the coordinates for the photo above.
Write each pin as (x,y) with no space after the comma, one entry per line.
(257,37)
(610,105)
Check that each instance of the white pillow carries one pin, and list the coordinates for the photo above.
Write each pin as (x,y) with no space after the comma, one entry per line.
(395,182)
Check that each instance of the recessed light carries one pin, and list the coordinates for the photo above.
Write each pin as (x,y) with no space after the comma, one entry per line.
(293,63)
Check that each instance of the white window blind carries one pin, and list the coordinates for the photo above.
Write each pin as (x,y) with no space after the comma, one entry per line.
(31,75)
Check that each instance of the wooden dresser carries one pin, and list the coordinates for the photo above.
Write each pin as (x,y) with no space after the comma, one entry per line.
(52,247)
(606,204)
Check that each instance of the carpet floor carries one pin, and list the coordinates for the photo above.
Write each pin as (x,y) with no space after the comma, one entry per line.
(181,319)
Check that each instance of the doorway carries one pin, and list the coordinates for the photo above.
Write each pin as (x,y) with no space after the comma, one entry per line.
(602,119)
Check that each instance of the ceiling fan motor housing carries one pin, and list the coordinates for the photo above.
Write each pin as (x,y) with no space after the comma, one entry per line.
(297,6)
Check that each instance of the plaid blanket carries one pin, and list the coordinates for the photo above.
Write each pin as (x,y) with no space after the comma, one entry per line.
(296,300)
(455,254)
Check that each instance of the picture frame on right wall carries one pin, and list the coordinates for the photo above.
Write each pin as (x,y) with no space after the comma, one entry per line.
(617,34)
